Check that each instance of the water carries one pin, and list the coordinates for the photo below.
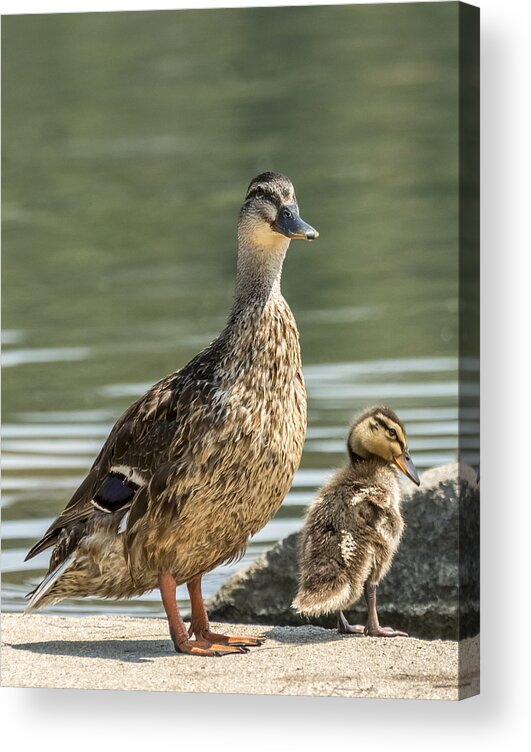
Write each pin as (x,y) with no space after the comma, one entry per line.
(128,142)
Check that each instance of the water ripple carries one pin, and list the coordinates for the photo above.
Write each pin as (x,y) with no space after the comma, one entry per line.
(46,454)
(12,358)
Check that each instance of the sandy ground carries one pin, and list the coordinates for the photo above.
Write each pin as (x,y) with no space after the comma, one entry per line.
(110,652)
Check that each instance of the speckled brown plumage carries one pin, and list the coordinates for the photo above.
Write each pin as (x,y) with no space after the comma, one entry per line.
(204,459)
(353,528)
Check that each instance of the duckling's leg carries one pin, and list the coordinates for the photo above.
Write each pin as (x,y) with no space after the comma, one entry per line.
(179,635)
(343,627)
(373,628)
(199,625)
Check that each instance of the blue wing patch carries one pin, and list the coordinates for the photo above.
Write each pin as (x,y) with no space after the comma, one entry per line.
(115,492)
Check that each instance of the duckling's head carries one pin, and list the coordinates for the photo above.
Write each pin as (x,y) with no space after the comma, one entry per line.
(379,432)
(270,213)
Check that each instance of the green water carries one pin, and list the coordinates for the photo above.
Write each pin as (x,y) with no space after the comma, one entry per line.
(128,143)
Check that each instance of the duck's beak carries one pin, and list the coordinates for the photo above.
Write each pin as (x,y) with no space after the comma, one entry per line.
(405,464)
(289,223)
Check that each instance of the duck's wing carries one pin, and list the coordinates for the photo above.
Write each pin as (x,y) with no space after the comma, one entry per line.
(137,445)
(205,433)
(76,510)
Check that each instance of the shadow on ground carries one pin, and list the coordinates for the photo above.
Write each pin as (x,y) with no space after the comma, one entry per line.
(302,635)
(145,651)
(129,651)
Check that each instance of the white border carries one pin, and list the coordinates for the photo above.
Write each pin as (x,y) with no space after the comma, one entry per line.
(48,719)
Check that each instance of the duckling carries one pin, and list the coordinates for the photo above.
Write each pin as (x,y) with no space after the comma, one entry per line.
(353,528)
(205,458)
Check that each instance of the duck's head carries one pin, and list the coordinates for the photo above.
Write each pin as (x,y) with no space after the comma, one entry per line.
(270,212)
(379,432)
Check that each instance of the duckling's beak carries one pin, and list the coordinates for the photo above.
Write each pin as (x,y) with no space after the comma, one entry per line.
(289,223)
(405,463)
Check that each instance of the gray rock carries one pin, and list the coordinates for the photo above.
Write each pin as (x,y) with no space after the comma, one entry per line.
(432,589)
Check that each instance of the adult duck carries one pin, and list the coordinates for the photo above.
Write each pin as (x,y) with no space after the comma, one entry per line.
(204,459)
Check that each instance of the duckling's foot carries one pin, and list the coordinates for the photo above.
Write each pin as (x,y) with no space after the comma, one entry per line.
(248,641)
(373,628)
(384,632)
(343,627)
(352,629)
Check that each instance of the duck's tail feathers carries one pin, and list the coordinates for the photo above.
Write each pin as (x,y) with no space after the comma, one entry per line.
(323,601)
(39,595)
(49,539)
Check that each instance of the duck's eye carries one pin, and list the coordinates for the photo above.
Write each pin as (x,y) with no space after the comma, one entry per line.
(286,213)
(392,433)
(259,192)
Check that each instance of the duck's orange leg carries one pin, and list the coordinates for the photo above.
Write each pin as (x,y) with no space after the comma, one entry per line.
(178,633)
(199,625)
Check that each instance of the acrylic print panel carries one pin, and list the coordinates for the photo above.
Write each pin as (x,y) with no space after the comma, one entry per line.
(160,170)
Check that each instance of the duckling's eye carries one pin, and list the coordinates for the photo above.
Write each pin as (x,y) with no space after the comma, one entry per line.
(392,433)
(286,213)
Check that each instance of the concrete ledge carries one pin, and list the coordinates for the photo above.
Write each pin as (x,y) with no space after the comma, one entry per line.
(119,652)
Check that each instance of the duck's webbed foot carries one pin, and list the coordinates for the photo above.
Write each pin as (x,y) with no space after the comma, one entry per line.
(206,648)
(249,641)
(384,632)
(178,633)
(373,628)
(343,627)
(199,626)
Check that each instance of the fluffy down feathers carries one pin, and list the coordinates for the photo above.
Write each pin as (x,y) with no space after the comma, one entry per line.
(350,535)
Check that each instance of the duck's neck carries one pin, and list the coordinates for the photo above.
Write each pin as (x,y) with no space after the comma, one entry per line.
(253,334)
(260,259)
(369,466)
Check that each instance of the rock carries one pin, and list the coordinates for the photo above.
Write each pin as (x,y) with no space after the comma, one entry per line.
(432,589)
